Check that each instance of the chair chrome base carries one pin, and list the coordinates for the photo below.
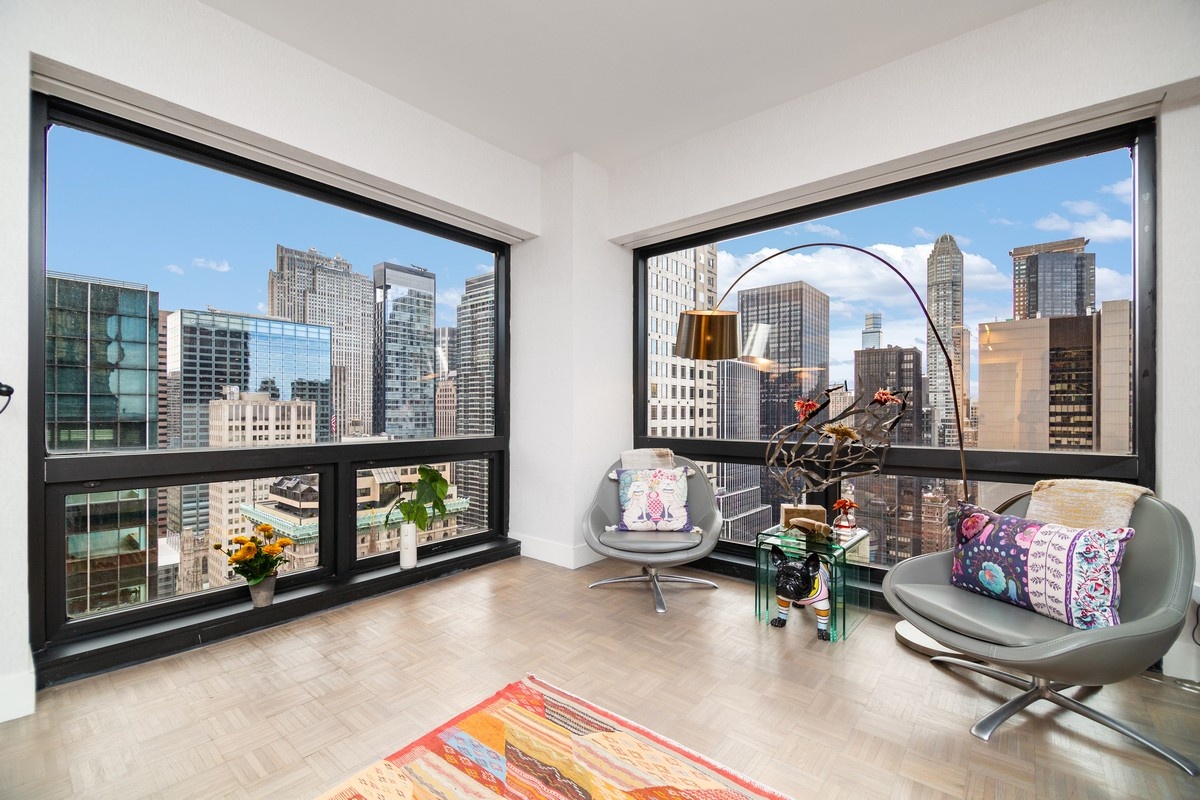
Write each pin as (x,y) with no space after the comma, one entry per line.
(1042,689)
(650,575)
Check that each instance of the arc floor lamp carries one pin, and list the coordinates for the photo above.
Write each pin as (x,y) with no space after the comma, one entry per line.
(714,334)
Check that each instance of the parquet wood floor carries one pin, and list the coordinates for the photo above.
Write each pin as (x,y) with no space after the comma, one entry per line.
(290,711)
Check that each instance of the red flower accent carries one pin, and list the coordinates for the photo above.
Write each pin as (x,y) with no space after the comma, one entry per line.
(883,397)
(806,407)
(843,505)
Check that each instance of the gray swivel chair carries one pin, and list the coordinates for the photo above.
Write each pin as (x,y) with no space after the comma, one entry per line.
(654,550)
(1156,581)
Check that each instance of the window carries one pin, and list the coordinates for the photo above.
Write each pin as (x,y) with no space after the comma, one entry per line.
(1033,273)
(304,346)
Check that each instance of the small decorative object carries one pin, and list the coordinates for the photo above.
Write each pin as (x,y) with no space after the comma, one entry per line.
(814,532)
(799,584)
(428,494)
(258,559)
(803,457)
(844,521)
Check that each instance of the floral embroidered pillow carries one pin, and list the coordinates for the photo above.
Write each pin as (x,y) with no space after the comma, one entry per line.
(653,499)
(1067,574)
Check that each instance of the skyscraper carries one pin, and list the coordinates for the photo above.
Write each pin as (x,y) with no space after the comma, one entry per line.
(890,505)
(791,321)
(405,356)
(944,299)
(795,317)
(102,351)
(1057,383)
(209,350)
(681,401)
(739,486)
(475,387)
(307,286)
(872,331)
(1053,279)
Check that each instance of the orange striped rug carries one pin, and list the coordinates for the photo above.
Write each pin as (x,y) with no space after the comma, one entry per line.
(532,741)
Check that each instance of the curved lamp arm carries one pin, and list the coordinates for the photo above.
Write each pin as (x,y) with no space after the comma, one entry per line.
(686,325)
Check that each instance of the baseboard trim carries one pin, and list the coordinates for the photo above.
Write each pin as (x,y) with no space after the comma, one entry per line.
(18,693)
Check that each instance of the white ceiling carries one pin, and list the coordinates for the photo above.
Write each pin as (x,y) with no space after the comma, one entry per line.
(609,79)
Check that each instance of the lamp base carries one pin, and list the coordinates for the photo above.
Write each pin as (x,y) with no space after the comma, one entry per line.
(910,637)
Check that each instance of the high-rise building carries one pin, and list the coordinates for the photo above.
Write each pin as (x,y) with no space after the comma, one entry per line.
(944,300)
(1053,279)
(309,287)
(872,333)
(102,395)
(789,326)
(242,420)
(739,486)
(890,505)
(792,322)
(475,388)
(681,402)
(405,357)
(210,350)
(1057,383)
(445,345)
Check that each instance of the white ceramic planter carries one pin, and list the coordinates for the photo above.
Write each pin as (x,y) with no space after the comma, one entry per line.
(408,545)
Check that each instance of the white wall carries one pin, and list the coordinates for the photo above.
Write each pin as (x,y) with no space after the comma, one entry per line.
(198,66)
(572,364)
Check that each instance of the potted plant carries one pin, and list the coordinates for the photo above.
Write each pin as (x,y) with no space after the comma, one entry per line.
(258,559)
(426,494)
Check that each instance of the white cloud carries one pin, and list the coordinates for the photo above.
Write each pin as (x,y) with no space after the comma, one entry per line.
(262,308)
(482,268)
(1112,285)
(449,297)
(980,274)
(824,230)
(921,233)
(208,263)
(1104,229)
(1053,222)
(1096,224)
(175,268)
(1122,190)
(1002,221)
(1083,208)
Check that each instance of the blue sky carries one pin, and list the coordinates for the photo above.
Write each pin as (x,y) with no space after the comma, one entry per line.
(202,238)
(1089,197)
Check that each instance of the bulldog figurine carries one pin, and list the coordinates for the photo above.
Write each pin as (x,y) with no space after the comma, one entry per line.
(799,584)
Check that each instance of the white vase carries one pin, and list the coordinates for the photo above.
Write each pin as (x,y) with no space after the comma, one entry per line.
(408,545)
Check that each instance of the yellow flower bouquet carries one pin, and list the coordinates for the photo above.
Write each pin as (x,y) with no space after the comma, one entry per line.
(258,555)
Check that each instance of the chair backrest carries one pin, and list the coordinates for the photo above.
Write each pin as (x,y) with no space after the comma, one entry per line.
(1160,561)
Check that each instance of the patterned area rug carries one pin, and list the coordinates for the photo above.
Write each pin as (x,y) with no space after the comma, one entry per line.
(533,741)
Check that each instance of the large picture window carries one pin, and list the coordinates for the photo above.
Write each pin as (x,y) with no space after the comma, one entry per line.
(223,345)
(1036,277)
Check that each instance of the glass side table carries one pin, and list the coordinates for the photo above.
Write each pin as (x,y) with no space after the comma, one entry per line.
(846,556)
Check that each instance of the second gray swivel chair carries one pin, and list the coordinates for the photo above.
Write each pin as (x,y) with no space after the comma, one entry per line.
(654,550)
(1156,580)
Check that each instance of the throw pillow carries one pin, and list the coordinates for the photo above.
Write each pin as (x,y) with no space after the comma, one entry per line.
(653,499)
(1067,574)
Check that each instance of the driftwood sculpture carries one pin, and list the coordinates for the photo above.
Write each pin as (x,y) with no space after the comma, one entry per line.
(804,457)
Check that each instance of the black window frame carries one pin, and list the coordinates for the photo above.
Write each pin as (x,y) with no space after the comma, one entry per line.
(1019,467)
(67,648)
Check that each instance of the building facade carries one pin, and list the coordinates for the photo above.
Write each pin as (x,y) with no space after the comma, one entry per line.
(405,356)
(208,351)
(309,287)
(739,486)
(1053,279)
(475,387)
(944,301)
(1057,383)
(102,351)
